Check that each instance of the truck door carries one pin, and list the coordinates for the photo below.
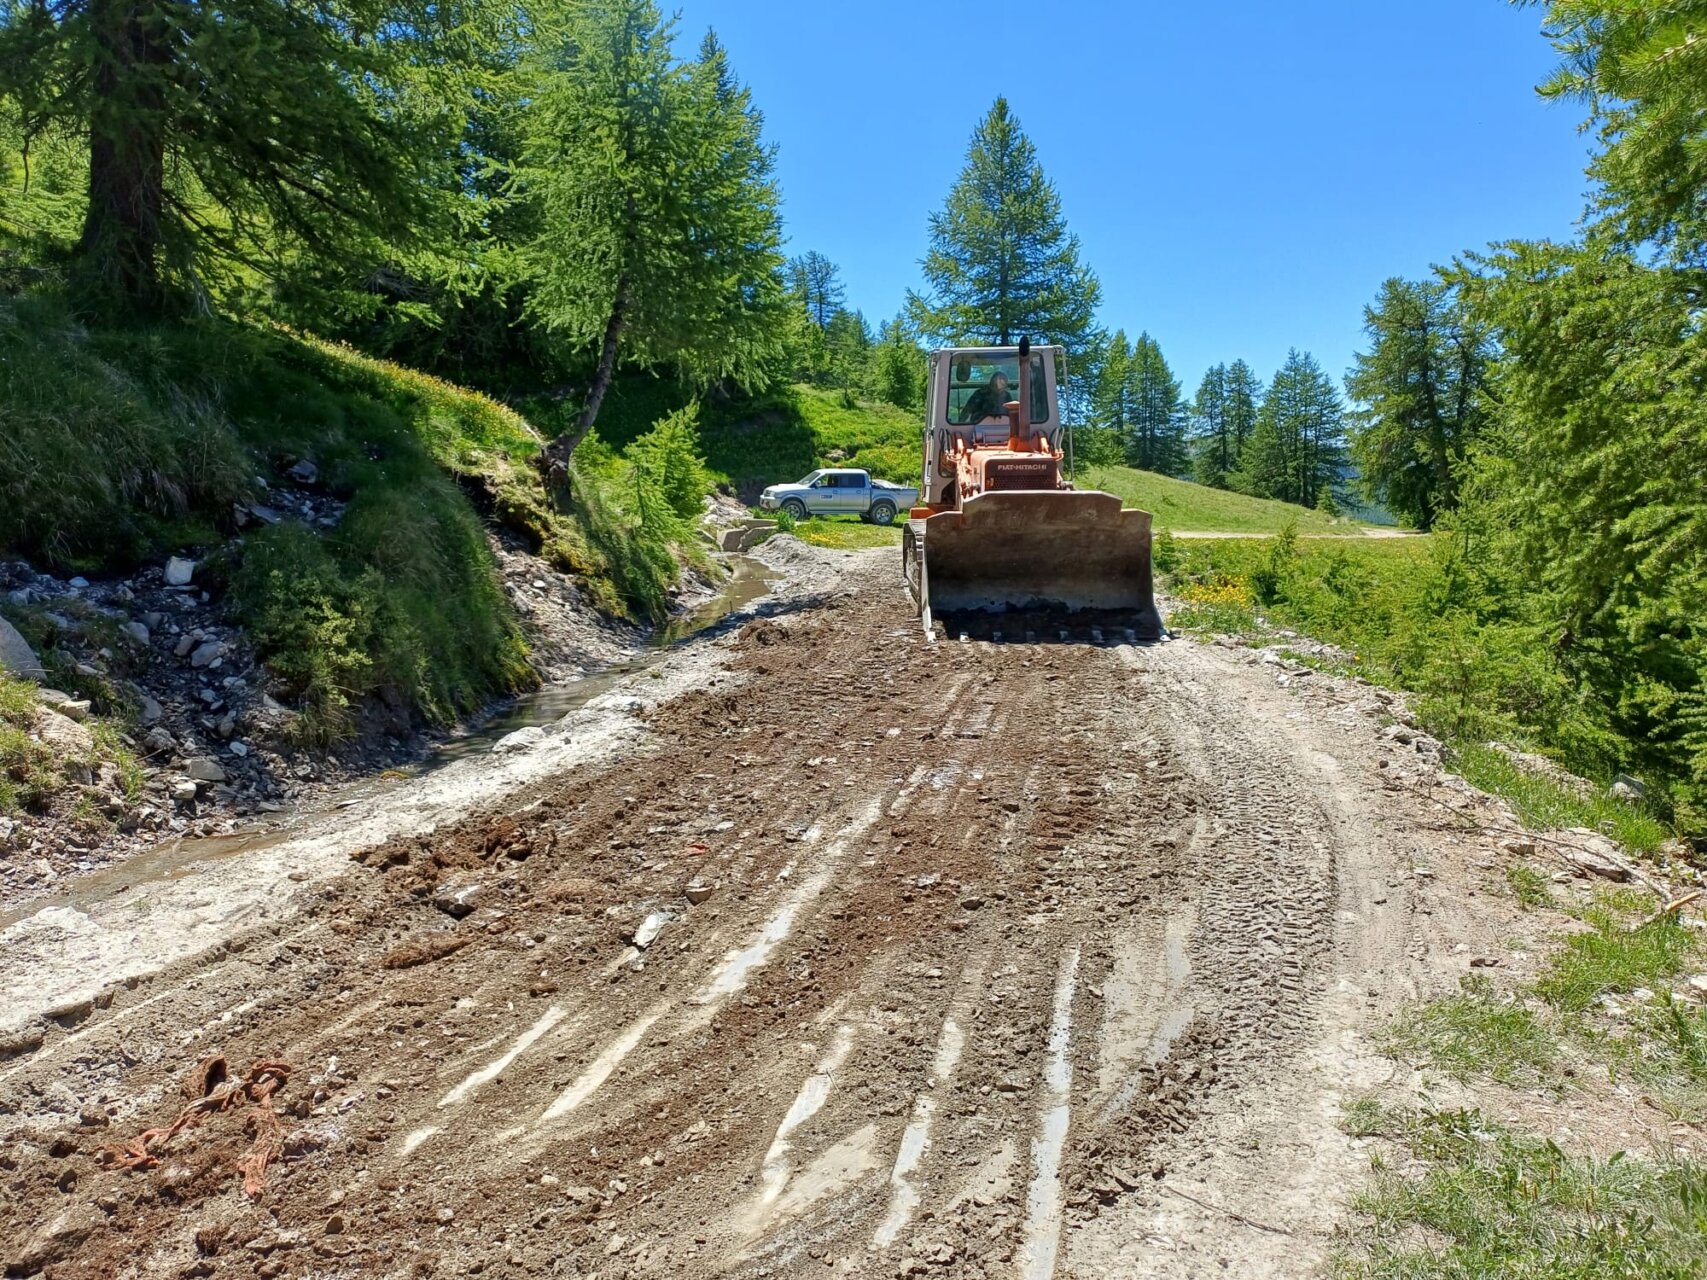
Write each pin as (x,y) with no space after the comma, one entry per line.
(856,493)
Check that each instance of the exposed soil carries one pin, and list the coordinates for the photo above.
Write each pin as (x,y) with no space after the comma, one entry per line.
(822,949)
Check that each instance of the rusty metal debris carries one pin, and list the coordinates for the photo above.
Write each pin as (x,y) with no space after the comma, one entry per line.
(212,1090)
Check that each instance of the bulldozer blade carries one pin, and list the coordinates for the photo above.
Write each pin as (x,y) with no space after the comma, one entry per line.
(1052,551)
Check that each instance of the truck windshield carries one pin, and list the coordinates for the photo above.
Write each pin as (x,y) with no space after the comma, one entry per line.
(979,387)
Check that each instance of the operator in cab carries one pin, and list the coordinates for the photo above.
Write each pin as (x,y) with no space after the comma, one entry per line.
(989,401)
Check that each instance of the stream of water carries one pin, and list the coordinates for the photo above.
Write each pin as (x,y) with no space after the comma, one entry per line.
(174,859)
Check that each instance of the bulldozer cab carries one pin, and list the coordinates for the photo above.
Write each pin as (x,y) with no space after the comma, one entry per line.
(971,388)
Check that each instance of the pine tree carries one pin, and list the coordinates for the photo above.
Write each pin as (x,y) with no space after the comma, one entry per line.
(847,342)
(1244,400)
(1002,263)
(1223,414)
(815,285)
(1296,450)
(1156,436)
(660,229)
(1422,391)
(238,132)
(1111,406)
(898,367)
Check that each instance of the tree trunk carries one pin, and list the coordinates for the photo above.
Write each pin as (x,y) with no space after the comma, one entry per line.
(554,462)
(127,157)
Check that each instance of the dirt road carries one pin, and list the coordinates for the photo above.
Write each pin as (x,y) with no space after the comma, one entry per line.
(842,954)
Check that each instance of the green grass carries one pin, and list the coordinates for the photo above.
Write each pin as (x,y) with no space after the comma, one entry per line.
(1180,505)
(777,437)
(1488,1202)
(120,447)
(1412,614)
(33,779)
(1529,887)
(1614,958)
(1542,803)
(1476,1032)
(846,534)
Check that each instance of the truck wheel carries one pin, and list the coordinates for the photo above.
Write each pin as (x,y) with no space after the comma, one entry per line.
(796,508)
(883,513)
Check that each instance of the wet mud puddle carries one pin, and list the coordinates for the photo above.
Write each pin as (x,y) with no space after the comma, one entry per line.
(173,860)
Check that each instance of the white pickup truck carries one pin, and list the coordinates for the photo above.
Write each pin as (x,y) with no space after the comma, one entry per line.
(842,492)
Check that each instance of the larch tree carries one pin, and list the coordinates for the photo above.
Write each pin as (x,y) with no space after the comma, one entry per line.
(899,369)
(1002,264)
(361,101)
(1296,451)
(1422,394)
(659,242)
(815,285)
(1112,402)
(1215,457)
(1223,415)
(847,343)
(1156,437)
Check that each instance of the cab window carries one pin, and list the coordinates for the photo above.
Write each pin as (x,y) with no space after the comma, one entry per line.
(979,387)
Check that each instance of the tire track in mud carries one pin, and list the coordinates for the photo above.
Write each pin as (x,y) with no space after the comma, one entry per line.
(987,922)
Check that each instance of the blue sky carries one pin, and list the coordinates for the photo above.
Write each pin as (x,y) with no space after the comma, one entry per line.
(1242,175)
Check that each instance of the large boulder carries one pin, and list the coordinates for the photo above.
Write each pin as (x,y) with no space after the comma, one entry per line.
(16,655)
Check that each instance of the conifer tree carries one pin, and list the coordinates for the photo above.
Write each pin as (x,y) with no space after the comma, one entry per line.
(898,367)
(660,229)
(1296,450)
(1002,263)
(360,101)
(847,342)
(815,285)
(1156,438)
(1223,414)
(1423,396)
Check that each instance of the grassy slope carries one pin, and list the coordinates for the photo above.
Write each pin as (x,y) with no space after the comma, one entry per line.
(118,448)
(778,436)
(1414,619)
(1181,506)
(784,435)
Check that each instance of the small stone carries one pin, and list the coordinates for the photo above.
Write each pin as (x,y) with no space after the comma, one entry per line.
(179,571)
(1518,848)
(151,710)
(184,645)
(159,741)
(137,631)
(335,1225)
(521,740)
(649,929)
(458,899)
(445,1215)
(266,515)
(697,893)
(205,769)
(78,584)
(75,709)
(304,472)
(971,902)
(183,791)
(206,653)
(239,750)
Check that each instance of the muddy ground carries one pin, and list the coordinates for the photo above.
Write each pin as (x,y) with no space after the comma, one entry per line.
(818,950)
